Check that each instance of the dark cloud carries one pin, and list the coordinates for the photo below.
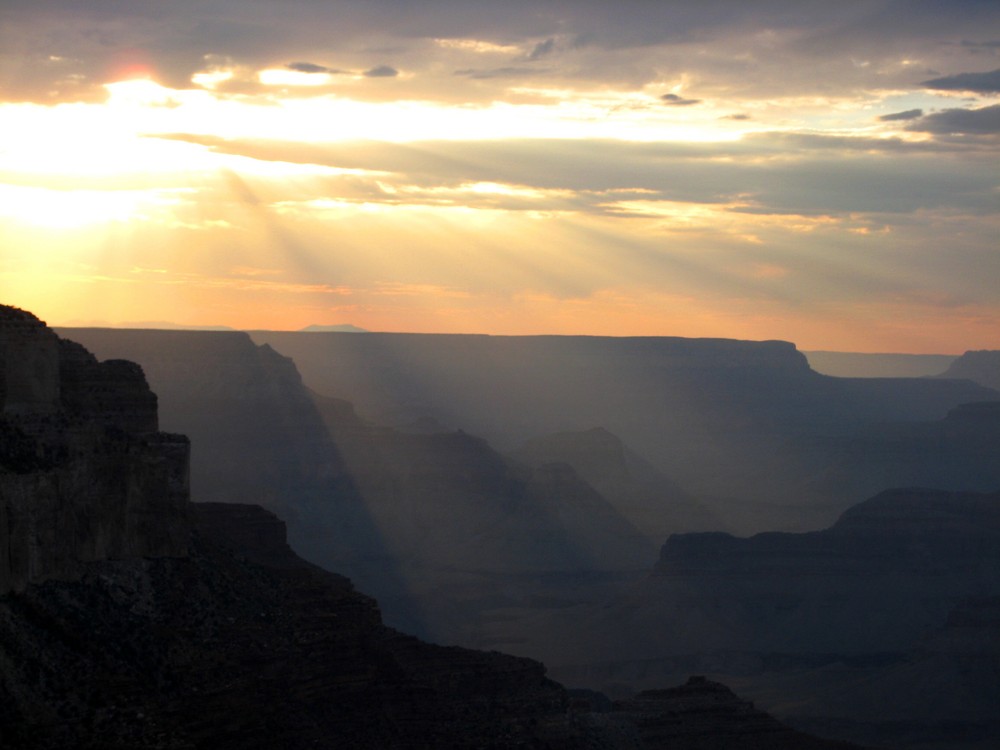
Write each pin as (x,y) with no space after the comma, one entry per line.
(542,49)
(910,114)
(307,67)
(982,121)
(678,101)
(382,71)
(981,83)
(738,116)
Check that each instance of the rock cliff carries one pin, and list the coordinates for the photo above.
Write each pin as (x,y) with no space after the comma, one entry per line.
(85,475)
(981,367)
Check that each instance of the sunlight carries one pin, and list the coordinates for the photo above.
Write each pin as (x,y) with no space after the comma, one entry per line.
(94,141)
(72,209)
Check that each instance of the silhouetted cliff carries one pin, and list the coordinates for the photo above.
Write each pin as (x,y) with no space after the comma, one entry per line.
(84,473)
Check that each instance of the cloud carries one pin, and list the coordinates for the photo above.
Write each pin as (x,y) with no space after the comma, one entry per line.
(64,50)
(813,175)
(307,67)
(678,101)
(910,114)
(381,71)
(738,116)
(542,49)
(981,83)
(981,121)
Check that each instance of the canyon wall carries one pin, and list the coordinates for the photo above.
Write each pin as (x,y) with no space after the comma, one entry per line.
(85,474)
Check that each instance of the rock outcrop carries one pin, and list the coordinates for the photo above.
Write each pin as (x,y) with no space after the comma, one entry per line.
(981,367)
(85,475)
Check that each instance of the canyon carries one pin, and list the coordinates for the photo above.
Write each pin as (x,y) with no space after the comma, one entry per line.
(768,577)
(132,618)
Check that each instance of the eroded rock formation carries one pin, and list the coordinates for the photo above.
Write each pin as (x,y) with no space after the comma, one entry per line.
(85,475)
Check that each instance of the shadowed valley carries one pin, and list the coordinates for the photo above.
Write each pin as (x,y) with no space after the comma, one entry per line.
(512,493)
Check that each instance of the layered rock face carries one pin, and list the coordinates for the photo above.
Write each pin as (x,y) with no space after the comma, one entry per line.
(85,474)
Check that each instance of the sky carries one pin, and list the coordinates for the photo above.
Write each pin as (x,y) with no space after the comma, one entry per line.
(826,173)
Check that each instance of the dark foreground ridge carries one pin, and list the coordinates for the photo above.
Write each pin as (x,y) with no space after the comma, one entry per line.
(133,619)
(243,645)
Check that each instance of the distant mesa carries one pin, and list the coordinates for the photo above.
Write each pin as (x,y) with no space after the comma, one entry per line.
(339,328)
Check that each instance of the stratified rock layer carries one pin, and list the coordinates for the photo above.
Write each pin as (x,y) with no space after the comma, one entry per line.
(84,473)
